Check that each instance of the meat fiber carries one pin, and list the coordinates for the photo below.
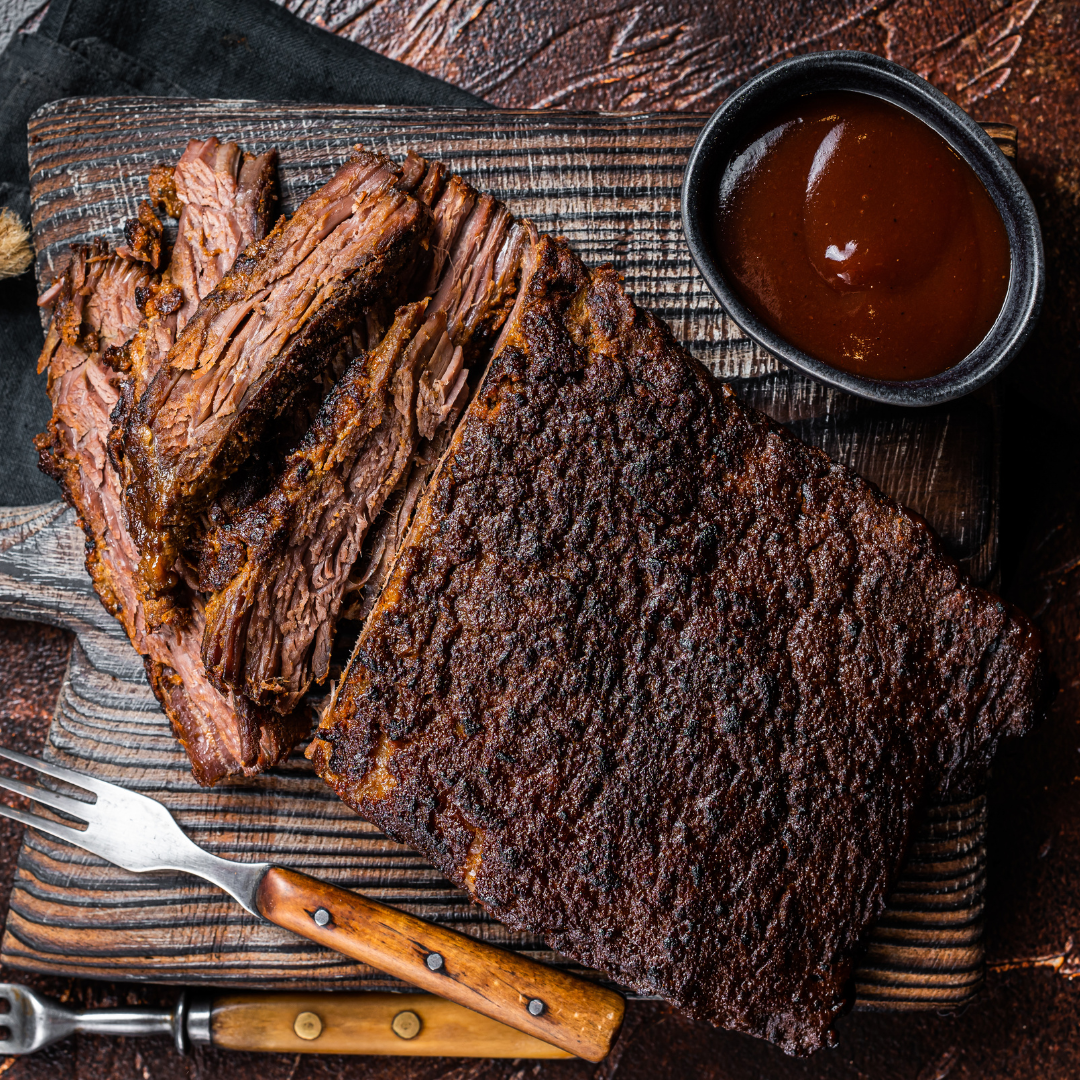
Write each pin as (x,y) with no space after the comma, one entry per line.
(281,570)
(287,557)
(94,308)
(661,684)
(264,332)
(98,300)
(226,200)
(229,200)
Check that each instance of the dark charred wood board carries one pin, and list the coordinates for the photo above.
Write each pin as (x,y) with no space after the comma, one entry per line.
(609,182)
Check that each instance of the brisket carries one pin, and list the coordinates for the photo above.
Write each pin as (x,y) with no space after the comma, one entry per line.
(142,236)
(162,185)
(282,564)
(98,300)
(281,570)
(266,330)
(225,200)
(656,681)
(385,540)
(94,309)
(229,200)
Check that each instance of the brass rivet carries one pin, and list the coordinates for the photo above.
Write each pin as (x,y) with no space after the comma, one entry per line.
(406,1025)
(307,1025)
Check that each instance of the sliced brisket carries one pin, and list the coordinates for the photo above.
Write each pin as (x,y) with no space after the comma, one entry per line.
(162,185)
(229,200)
(264,332)
(658,682)
(143,236)
(281,569)
(98,300)
(225,199)
(94,309)
(282,564)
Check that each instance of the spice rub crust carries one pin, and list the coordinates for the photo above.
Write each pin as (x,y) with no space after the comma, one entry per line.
(658,682)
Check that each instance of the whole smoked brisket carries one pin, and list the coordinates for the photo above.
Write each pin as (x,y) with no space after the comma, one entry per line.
(658,682)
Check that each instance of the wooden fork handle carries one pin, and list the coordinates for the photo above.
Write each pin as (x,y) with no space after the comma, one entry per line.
(568,1012)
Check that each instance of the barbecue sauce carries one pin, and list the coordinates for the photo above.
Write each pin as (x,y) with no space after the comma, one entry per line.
(852,229)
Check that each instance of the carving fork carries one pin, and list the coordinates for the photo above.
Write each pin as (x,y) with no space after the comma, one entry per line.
(416,1025)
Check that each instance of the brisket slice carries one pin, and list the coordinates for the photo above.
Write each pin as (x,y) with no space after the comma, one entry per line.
(425,181)
(286,559)
(225,199)
(94,309)
(387,535)
(229,200)
(265,331)
(97,300)
(658,682)
(280,571)
(372,571)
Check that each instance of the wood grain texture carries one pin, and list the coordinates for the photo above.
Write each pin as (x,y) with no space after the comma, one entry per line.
(362,1024)
(610,183)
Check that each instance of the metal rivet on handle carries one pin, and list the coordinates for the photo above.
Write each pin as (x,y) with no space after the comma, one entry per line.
(434,961)
(406,1025)
(307,1025)
(321,917)
(536,1007)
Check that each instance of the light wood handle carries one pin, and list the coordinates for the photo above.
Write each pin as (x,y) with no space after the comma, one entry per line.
(418,1025)
(561,1009)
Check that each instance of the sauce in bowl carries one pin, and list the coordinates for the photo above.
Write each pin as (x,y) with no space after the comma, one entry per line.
(852,229)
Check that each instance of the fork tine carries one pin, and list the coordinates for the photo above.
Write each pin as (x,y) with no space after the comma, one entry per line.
(47,798)
(53,828)
(76,779)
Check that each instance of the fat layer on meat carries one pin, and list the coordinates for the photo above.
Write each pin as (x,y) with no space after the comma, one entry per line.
(658,682)
(264,332)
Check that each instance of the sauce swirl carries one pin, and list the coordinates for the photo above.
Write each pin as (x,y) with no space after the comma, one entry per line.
(855,231)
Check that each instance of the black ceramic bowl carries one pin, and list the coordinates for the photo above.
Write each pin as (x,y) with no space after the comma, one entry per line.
(750,107)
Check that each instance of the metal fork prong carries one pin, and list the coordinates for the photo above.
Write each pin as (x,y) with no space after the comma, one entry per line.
(53,828)
(76,779)
(64,803)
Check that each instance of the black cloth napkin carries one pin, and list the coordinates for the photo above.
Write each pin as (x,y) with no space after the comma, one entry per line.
(174,48)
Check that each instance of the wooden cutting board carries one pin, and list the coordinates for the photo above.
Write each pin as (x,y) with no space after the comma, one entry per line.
(611,184)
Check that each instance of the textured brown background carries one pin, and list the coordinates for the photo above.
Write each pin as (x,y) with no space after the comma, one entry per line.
(1018,63)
